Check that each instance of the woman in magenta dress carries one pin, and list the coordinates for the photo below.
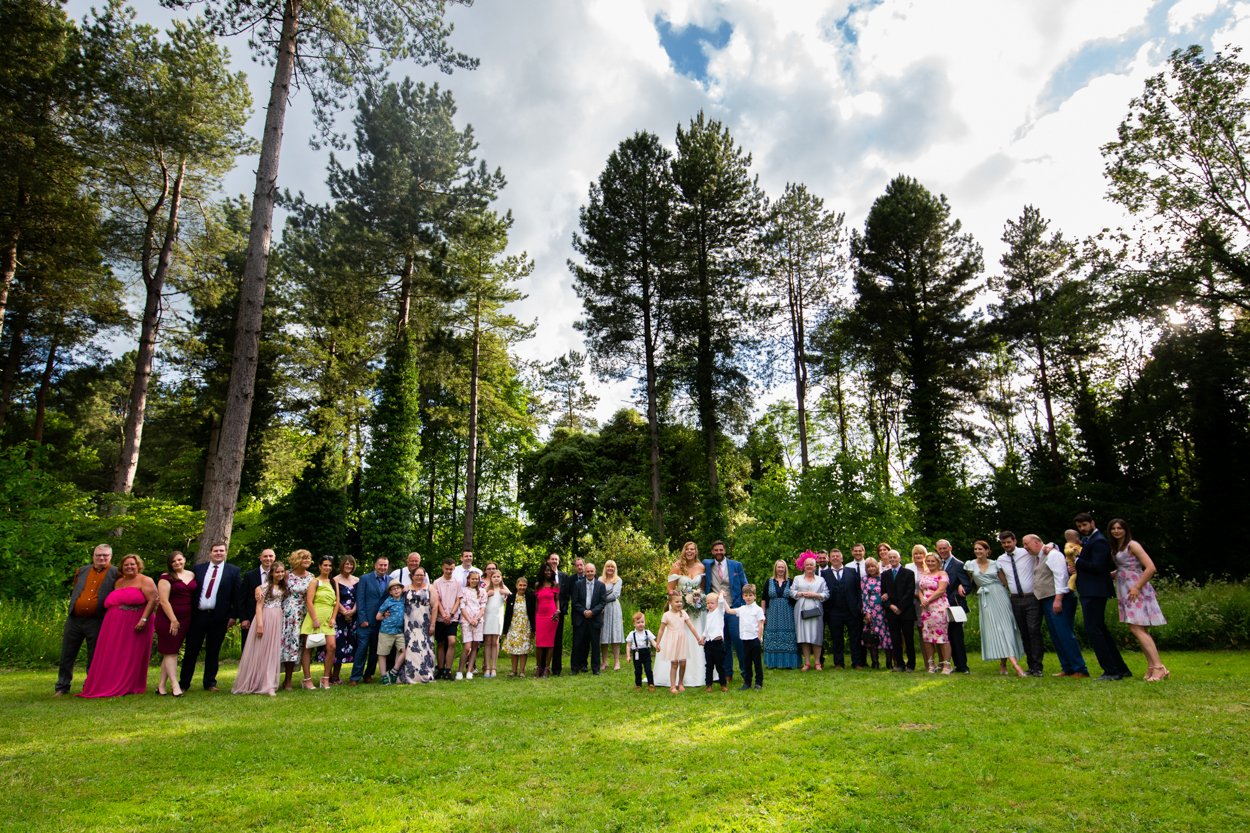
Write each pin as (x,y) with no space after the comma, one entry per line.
(547,617)
(124,646)
(174,591)
(934,611)
(1137,601)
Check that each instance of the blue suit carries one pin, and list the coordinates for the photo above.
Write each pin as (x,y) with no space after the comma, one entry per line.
(1094,585)
(370,593)
(737,580)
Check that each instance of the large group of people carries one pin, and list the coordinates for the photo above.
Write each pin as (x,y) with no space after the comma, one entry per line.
(399,626)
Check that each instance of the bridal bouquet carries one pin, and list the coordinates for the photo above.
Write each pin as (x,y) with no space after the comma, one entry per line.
(692,595)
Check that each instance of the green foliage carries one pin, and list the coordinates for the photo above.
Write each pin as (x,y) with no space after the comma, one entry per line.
(390,490)
(642,565)
(313,515)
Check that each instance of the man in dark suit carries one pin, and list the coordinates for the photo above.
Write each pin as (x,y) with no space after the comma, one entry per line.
(898,591)
(564,582)
(726,578)
(844,609)
(1094,585)
(958,586)
(370,593)
(212,614)
(589,598)
(252,580)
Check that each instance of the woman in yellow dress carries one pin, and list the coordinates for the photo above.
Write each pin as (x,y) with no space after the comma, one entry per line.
(321,601)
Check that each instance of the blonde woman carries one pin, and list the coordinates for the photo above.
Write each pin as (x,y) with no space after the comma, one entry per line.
(781,649)
(613,624)
(298,580)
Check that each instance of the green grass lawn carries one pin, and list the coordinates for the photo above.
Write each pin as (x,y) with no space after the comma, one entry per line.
(828,751)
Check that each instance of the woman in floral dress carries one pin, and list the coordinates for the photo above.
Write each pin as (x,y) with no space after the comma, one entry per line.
(934,612)
(1138,604)
(345,619)
(416,665)
(519,612)
(293,610)
(876,634)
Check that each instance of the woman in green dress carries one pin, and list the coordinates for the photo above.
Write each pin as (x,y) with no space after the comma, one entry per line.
(321,601)
(1000,638)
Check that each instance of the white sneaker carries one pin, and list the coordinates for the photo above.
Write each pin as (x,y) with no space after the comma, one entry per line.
(459,675)
(469,676)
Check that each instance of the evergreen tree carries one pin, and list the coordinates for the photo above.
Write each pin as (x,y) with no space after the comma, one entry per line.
(390,494)
(562,380)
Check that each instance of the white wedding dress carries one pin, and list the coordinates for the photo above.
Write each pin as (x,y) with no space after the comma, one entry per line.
(694,651)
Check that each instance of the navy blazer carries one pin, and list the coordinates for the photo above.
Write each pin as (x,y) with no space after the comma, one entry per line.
(737,579)
(598,600)
(902,592)
(1094,567)
(370,593)
(845,594)
(229,592)
(956,575)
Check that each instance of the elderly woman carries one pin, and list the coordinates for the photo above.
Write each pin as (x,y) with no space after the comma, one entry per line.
(809,593)
(780,648)
(120,663)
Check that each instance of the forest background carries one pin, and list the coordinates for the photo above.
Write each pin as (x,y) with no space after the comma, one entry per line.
(356,386)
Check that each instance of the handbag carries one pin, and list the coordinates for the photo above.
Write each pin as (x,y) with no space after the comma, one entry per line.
(315,640)
(810,612)
(957,613)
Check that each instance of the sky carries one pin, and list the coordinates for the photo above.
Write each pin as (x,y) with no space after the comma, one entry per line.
(994,104)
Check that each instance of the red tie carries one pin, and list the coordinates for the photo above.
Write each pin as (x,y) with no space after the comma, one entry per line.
(208,591)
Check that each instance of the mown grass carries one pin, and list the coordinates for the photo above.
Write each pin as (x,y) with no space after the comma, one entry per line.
(812,752)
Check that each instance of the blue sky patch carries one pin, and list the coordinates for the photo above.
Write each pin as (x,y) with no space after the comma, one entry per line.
(688,47)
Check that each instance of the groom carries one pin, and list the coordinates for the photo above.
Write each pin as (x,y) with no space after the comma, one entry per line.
(726,578)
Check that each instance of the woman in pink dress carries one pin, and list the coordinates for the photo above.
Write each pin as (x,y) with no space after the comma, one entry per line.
(1138,604)
(174,591)
(546,618)
(934,610)
(124,647)
(262,654)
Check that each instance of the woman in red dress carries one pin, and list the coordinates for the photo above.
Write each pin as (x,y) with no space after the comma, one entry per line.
(546,618)
(174,591)
(124,647)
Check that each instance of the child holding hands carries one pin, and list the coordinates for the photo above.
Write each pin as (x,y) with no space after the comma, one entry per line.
(751,630)
(673,622)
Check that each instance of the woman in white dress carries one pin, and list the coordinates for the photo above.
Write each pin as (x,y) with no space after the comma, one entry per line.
(492,623)
(613,632)
(686,577)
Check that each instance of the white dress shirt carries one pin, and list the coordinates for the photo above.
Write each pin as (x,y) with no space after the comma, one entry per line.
(212,584)
(749,618)
(1023,565)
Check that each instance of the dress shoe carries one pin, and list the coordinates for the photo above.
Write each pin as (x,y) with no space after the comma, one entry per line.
(1079,674)
(1036,674)
(1060,674)
(212,688)
(352,683)
(745,687)
(1109,678)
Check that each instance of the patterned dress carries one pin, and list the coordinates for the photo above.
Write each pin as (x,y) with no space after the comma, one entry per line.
(781,650)
(613,631)
(876,632)
(417,663)
(518,641)
(933,616)
(344,628)
(1144,611)
(293,614)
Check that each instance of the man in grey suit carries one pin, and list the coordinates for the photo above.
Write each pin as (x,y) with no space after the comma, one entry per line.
(92,584)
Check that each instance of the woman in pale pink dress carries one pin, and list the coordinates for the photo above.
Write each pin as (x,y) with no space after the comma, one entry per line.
(1138,604)
(262,655)
(124,647)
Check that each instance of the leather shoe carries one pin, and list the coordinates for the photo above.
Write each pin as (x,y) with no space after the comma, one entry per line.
(1079,674)
(212,688)
(1109,678)
(352,683)
(1060,674)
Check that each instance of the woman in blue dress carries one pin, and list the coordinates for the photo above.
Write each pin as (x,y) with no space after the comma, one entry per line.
(780,648)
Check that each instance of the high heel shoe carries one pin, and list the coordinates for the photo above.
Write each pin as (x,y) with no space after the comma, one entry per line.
(947,668)
(325,683)
(308,684)
(177,690)
(1157,673)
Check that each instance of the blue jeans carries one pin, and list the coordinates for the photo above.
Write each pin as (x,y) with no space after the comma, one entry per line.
(365,658)
(1062,627)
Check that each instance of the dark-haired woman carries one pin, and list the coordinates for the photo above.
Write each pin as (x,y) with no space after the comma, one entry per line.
(546,617)
(1139,606)
(321,602)
(345,620)
(262,653)
(174,591)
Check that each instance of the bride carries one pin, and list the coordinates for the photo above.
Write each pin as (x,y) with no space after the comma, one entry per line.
(686,577)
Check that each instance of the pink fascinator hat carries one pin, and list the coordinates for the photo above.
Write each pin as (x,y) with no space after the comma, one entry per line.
(803,556)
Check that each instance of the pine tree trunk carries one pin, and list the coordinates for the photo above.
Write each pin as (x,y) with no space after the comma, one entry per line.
(1052,437)
(12,364)
(223,491)
(470,475)
(8,270)
(653,412)
(154,283)
(840,400)
(210,458)
(800,367)
(405,295)
(41,393)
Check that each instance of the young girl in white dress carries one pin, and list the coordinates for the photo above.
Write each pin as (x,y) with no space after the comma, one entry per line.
(492,624)
(472,622)
(675,622)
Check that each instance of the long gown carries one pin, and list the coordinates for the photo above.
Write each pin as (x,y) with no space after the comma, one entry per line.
(417,663)
(613,632)
(781,649)
(180,595)
(120,663)
(1000,638)
(694,651)
(262,656)
(1144,611)
(544,623)
(344,628)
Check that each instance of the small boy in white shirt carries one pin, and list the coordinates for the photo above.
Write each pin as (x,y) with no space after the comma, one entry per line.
(714,642)
(751,630)
(640,642)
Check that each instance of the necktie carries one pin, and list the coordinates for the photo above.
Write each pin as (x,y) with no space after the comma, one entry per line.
(1016,573)
(837,576)
(208,591)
